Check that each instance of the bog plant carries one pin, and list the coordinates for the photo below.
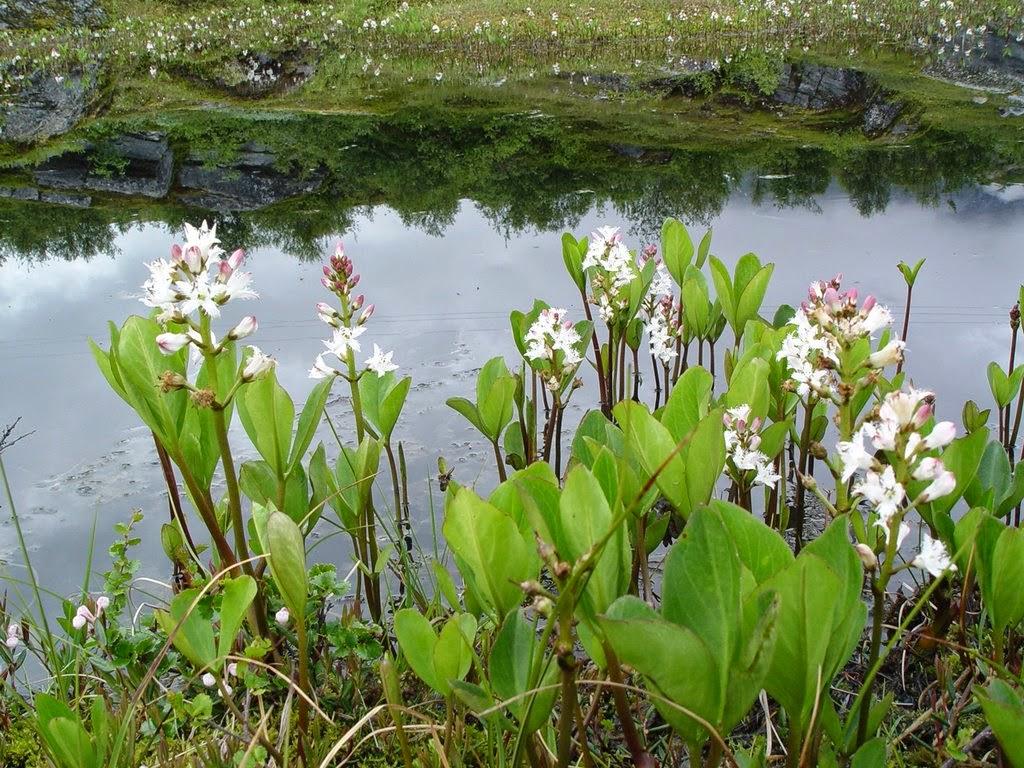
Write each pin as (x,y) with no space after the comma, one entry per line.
(688,557)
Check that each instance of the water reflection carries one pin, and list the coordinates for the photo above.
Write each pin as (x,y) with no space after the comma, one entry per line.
(444,284)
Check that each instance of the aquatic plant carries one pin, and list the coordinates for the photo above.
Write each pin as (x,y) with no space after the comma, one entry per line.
(666,561)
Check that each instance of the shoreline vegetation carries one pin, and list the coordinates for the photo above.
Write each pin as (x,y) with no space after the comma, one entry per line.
(679,577)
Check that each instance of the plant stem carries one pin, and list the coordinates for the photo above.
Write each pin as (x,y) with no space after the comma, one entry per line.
(497,460)
(906,323)
(641,757)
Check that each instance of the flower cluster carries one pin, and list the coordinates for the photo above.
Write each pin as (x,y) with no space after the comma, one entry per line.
(742,444)
(612,268)
(14,636)
(894,433)
(824,325)
(663,329)
(554,339)
(348,323)
(89,616)
(196,277)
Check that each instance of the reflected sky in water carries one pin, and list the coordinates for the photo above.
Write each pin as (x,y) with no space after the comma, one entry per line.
(442,305)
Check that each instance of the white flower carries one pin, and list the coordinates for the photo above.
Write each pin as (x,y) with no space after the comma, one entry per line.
(282,617)
(933,557)
(661,283)
(13,637)
(209,680)
(659,340)
(237,286)
(199,294)
(901,533)
(321,369)
(380,363)
(883,492)
(201,245)
(739,413)
(853,455)
(890,354)
(169,343)
(258,364)
(766,475)
(344,340)
(902,407)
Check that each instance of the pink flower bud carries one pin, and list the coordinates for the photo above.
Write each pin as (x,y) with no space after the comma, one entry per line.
(175,253)
(327,283)
(851,295)
(193,259)
(367,314)
(246,327)
(169,343)
(339,249)
(868,305)
(235,259)
(357,302)
(328,272)
(354,281)
(922,415)
(224,269)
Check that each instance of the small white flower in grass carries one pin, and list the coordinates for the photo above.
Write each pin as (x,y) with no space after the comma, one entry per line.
(282,617)
(169,343)
(933,557)
(233,669)
(209,680)
(13,637)
(258,365)
(380,363)
(343,341)
(102,603)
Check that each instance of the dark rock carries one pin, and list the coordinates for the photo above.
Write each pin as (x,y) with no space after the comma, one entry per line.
(262,74)
(1015,108)
(602,80)
(71,199)
(132,164)
(881,114)
(250,182)
(35,14)
(20,193)
(48,106)
(1004,55)
(687,77)
(811,86)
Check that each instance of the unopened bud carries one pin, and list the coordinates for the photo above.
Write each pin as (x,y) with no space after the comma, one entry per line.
(235,259)
(175,253)
(367,314)
(818,451)
(246,327)
(1015,317)
(867,556)
(357,302)
(543,606)
(169,343)
(809,482)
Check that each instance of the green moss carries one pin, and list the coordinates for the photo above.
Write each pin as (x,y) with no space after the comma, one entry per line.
(19,745)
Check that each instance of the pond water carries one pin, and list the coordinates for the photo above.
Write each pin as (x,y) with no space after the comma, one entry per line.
(454,218)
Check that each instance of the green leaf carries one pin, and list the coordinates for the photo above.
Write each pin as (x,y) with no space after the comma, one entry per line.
(702,586)
(495,556)
(238,594)
(267,413)
(309,420)
(760,548)
(1004,711)
(287,559)
(417,640)
(194,638)
(513,656)
(676,248)
(688,402)
(652,444)
(468,410)
(677,664)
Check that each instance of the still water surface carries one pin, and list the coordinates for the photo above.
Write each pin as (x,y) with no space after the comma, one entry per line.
(442,305)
